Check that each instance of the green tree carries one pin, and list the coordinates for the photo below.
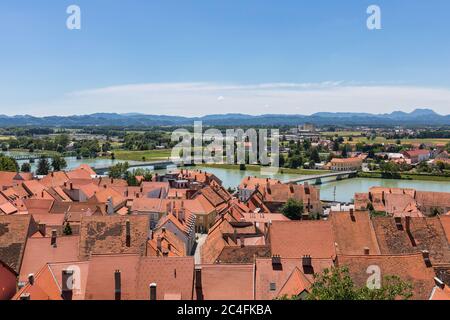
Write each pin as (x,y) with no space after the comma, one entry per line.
(26,167)
(315,157)
(390,169)
(293,209)
(8,164)
(58,163)
(295,162)
(337,284)
(62,140)
(43,167)
(106,147)
(131,179)
(67,229)
(344,151)
(119,170)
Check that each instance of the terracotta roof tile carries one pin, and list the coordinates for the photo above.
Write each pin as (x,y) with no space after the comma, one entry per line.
(354,232)
(445,221)
(425,234)
(273,281)
(39,252)
(108,235)
(174,277)
(294,239)
(225,282)
(247,254)
(409,267)
(14,231)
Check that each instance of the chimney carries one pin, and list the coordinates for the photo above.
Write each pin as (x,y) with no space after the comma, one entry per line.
(128,233)
(242,241)
(408,223)
(25,296)
(159,243)
(307,188)
(31,279)
(53,239)
(306,261)
(117,285)
(182,214)
(110,206)
(71,186)
(153,291)
(426,258)
(352,215)
(276,261)
(307,265)
(398,223)
(291,188)
(366,251)
(67,285)
(234,235)
(198,283)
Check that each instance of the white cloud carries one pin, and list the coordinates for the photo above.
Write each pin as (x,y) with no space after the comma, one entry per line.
(192,99)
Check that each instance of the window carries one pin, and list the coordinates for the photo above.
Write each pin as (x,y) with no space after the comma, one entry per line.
(273,286)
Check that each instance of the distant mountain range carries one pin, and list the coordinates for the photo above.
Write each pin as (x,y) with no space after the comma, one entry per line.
(415,118)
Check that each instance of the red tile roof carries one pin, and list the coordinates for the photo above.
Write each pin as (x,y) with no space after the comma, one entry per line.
(108,235)
(225,282)
(285,279)
(39,252)
(174,277)
(445,221)
(14,231)
(409,267)
(425,234)
(294,239)
(354,233)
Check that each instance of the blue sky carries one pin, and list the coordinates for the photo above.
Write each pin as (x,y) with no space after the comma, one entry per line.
(193,57)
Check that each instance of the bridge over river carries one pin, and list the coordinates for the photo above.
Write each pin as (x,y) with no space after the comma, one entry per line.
(29,156)
(156,165)
(339,175)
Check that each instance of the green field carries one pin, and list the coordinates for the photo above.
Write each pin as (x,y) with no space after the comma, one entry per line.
(150,155)
(341,134)
(394,141)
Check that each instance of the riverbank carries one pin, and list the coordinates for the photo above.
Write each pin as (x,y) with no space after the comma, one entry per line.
(147,155)
(404,176)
